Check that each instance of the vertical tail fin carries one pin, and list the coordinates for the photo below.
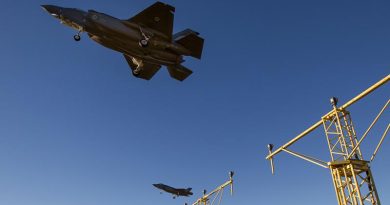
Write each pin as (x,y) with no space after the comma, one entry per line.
(190,39)
(189,191)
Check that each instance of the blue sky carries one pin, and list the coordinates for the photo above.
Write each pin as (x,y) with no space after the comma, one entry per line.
(77,128)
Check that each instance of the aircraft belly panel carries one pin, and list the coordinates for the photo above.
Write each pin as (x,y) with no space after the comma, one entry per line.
(156,57)
(112,27)
(150,55)
(144,39)
(115,35)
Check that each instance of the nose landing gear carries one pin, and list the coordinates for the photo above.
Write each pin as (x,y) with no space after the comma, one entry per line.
(77,37)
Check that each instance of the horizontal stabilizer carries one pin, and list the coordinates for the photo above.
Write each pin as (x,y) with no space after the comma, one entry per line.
(179,72)
(190,40)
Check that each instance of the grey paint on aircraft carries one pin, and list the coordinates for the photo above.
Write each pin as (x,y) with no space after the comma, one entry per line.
(145,40)
(176,192)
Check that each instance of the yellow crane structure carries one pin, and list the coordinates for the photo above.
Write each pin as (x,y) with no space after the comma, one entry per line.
(216,193)
(351,174)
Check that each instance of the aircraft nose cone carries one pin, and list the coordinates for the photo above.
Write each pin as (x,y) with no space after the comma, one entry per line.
(53,10)
(157,186)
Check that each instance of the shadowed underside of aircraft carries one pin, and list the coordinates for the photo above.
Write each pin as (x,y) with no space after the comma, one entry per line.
(175,192)
(145,40)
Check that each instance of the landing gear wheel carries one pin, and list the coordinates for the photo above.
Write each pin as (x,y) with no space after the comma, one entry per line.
(77,37)
(143,43)
(136,72)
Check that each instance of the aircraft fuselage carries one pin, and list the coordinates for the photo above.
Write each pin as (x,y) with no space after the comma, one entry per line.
(123,36)
(145,40)
(174,191)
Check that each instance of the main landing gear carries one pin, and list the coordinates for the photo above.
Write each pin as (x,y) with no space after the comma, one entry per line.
(137,71)
(145,39)
(143,43)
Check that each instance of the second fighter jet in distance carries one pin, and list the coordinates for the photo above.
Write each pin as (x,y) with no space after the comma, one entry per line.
(175,192)
(145,39)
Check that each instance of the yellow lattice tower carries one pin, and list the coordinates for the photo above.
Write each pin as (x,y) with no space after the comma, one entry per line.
(351,174)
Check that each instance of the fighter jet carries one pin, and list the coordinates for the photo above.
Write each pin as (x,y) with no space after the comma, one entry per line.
(174,191)
(145,40)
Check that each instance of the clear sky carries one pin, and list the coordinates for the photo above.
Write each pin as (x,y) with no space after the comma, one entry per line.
(77,129)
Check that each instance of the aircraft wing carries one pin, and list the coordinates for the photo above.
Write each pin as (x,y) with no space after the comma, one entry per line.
(158,16)
(148,69)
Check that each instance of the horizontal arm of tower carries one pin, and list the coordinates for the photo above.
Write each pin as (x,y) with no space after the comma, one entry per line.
(218,189)
(313,127)
(206,196)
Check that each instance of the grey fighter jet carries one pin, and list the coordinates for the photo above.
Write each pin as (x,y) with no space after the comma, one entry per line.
(174,191)
(145,39)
